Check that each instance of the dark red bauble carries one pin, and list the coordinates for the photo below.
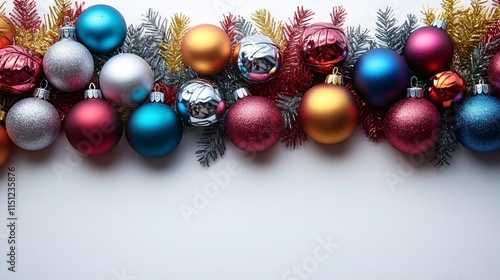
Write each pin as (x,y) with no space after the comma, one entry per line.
(429,50)
(254,124)
(20,69)
(413,125)
(93,126)
(494,73)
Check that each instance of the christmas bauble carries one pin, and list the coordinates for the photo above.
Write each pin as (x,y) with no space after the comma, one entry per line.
(67,64)
(477,123)
(20,69)
(380,76)
(126,79)
(199,102)
(93,126)
(412,125)
(429,50)
(446,88)
(256,58)
(5,145)
(101,28)
(494,73)
(328,113)
(154,129)
(206,49)
(7,31)
(33,123)
(254,124)
(323,46)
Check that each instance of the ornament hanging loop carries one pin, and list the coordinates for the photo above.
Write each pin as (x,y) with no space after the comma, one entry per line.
(414,91)
(92,92)
(481,88)
(42,92)
(335,78)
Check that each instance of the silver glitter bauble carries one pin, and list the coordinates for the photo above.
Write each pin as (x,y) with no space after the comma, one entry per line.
(199,102)
(256,58)
(67,64)
(126,79)
(33,123)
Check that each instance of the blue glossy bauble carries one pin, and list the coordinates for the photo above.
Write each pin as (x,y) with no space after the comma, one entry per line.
(381,76)
(101,28)
(477,124)
(154,130)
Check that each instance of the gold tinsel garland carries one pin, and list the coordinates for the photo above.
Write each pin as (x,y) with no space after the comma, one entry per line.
(171,50)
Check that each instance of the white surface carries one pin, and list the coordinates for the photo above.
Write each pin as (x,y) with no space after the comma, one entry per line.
(118,217)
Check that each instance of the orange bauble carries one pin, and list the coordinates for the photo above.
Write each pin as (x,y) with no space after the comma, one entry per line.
(7,31)
(206,49)
(328,113)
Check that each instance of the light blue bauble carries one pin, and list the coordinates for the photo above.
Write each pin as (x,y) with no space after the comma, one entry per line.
(101,28)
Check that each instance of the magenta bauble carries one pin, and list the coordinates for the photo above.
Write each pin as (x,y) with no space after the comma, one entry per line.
(428,50)
(494,73)
(413,125)
(93,126)
(254,124)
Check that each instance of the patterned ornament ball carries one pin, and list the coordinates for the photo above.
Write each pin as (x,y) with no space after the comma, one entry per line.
(477,124)
(206,49)
(494,73)
(446,88)
(101,28)
(412,125)
(20,69)
(429,50)
(154,130)
(33,123)
(5,145)
(254,124)
(200,103)
(380,76)
(7,31)
(93,126)
(328,114)
(257,58)
(323,46)
(67,64)
(126,80)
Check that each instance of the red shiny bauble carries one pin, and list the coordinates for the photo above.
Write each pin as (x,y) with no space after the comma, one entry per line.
(494,73)
(323,46)
(20,69)
(93,126)
(5,145)
(446,88)
(428,51)
(412,125)
(254,124)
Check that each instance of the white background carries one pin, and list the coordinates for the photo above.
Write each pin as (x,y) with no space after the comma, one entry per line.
(117,217)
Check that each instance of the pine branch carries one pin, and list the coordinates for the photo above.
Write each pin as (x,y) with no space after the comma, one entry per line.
(410,24)
(359,41)
(294,136)
(338,16)
(25,15)
(447,141)
(243,28)
(289,106)
(212,144)
(171,46)
(387,31)
(74,12)
(496,3)
(154,25)
(49,30)
(269,27)
(371,118)
(2,8)
(227,24)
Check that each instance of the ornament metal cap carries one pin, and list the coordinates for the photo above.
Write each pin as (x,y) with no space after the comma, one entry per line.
(414,91)
(481,89)
(335,78)
(240,93)
(439,23)
(42,92)
(92,92)
(67,31)
(157,97)
(3,113)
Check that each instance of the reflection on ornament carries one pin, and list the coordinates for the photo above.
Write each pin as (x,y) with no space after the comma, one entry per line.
(126,79)
(324,46)
(7,31)
(20,69)
(199,102)
(101,28)
(206,49)
(257,58)
(446,88)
